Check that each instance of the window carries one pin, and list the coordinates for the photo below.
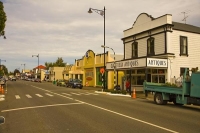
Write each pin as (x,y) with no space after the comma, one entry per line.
(183,45)
(135,49)
(77,63)
(150,46)
(182,71)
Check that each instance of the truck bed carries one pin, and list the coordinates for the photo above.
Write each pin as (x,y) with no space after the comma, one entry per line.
(155,87)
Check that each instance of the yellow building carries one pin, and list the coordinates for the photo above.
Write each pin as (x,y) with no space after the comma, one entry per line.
(55,73)
(89,68)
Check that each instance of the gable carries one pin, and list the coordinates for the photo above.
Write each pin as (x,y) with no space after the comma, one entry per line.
(145,22)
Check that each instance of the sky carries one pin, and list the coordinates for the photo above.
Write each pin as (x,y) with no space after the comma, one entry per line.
(64,28)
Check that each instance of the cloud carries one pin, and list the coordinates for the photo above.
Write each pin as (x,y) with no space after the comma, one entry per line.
(64,28)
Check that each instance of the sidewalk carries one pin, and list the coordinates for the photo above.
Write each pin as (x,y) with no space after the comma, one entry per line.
(140,95)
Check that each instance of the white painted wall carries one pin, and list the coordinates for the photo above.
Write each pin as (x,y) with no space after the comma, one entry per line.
(193,60)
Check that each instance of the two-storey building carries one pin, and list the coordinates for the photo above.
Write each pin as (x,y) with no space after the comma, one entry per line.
(158,50)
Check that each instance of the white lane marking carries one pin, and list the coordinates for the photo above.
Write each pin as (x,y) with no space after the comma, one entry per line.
(38,95)
(17,96)
(88,93)
(34,107)
(163,128)
(1,96)
(28,96)
(75,94)
(48,94)
(2,99)
(67,94)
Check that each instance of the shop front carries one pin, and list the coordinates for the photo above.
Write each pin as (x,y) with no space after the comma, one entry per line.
(138,70)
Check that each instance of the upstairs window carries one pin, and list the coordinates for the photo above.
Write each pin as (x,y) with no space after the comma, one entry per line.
(183,45)
(135,49)
(150,46)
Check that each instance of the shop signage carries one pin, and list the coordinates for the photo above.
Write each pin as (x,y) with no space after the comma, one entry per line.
(153,62)
(127,64)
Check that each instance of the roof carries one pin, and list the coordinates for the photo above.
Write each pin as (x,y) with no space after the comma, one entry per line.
(40,67)
(186,27)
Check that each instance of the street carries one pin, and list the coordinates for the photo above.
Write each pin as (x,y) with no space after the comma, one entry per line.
(31,107)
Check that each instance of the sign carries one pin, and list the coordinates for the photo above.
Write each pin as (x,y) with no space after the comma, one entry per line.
(153,62)
(127,64)
(102,70)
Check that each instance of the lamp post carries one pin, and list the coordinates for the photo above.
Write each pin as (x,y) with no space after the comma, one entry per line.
(113,65)
(38,63)
(24,67)
(1,61)
(102,13)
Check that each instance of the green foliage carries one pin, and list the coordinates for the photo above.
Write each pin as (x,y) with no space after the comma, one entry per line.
(59,63)
(170,84)
(3,19)
(3,70)
(16,71)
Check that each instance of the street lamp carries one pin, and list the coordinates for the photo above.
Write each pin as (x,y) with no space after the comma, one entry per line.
(1,61)
(38,63)
(113,65)
(24,67)
(102,13)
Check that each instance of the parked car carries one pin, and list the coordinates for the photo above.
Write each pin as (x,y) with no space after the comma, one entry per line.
(75,83)
(13,79)
(37,80)
(61,82)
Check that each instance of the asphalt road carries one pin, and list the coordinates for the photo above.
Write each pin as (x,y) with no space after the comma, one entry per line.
(31,107)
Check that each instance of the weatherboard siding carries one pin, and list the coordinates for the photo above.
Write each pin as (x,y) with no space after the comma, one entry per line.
(190,61)
(159,43)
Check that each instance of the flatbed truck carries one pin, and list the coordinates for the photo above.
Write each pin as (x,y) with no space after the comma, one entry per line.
(188,93)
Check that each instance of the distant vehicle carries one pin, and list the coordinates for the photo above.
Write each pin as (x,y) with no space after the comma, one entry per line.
(75,83)
(13,79)
(37,80)
(61,82)
(2,120)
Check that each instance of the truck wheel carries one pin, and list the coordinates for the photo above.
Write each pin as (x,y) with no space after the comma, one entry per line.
(158,99)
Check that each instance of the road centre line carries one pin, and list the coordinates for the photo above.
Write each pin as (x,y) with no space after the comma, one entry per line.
(43,106)
(126,116)
(27,95)
(17,96)
(38,95)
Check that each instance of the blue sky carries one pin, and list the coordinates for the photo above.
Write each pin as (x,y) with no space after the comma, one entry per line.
(64,29)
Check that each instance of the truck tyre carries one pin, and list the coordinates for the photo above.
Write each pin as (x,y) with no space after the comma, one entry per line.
(158,99)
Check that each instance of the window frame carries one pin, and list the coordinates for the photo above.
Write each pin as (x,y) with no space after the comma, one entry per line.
(183,46)
(150,50)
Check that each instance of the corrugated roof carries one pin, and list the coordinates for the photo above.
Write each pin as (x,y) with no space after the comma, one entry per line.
(186,27)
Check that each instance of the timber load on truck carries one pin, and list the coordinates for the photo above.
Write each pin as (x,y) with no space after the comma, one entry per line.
(188,93)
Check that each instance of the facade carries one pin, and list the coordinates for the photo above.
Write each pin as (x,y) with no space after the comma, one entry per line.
(158,50)
(89,67)
(38,72)
(55,73)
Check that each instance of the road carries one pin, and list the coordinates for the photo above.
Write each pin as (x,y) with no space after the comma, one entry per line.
(31,107)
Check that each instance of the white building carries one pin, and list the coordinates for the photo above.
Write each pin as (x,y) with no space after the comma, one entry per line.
(158,50)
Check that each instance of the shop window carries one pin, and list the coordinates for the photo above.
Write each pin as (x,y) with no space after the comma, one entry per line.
(135,49)
(140,80)
(161,71)
(141,71)
(133,80)
(150,46)
(154,71)
(183,45)
(158,78)
(133,71)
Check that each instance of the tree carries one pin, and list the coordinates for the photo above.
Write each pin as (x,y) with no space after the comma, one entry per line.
(3,70)
(59,63)
(3,19)
(16,71)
